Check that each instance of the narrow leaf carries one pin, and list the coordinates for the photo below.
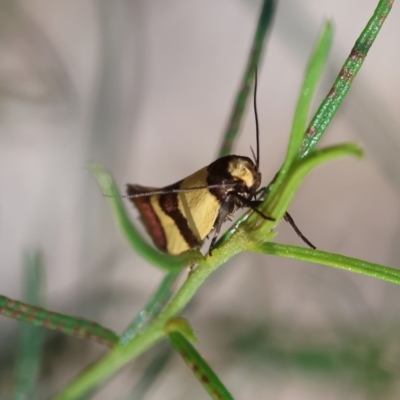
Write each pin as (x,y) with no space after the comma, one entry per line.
(152,309)
(161,260)
(31,338)
(201,370)
(280,197)
(311,78)
(333,260)
(232,130)
(341,86)
(72,326)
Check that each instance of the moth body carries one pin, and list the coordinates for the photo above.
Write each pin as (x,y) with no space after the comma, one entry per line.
(183,215)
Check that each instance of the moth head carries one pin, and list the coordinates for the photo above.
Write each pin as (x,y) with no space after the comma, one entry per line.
(245,173)
(238,172)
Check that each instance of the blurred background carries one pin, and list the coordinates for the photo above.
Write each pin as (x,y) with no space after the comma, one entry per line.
(145,87)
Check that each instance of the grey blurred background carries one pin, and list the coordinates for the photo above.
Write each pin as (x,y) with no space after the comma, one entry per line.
(145,88)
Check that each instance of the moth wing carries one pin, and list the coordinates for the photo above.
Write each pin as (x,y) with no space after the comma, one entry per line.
(147,213)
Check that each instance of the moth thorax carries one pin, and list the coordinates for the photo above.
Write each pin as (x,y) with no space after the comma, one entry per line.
(243,169)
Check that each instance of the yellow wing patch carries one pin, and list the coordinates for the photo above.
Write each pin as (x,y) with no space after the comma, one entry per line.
(199,207)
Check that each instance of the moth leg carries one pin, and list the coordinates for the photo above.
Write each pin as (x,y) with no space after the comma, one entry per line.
(288,218)
(227,209)
(253,204)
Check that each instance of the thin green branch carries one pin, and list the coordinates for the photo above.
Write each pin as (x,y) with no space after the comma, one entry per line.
(333,260)
(120,354)
(352,65)
(280,197)
(72,326)
(147,251)
(152,309)
(30,346)
(232,130)
(201,370)
(311,79)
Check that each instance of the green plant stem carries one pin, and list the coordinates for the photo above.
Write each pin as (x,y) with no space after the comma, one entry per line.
(281,195)
(27,366)
(72,326)
(120,354)
(333,260)
(341,86)
(232,129)
(311,79)
(152,309)
(201,370)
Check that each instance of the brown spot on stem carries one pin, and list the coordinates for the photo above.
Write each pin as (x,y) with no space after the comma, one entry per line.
(11,303)
(310,132)
(30,317)
(204,379)
(24,307)
(183,353)
(16,314)
(390,3)
(46,323)
(75,331)
(346,75)
(356,55)
(194,367)
(381,19)
(217,394)
(332,93)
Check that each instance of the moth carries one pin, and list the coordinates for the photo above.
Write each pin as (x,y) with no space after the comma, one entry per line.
(180,216)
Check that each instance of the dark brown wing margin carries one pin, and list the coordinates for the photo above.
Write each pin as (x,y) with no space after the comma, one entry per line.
(148,216)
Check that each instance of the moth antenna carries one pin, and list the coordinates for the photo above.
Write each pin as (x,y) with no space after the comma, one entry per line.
(289,219)
(254,156)
(156,192)
(256,117)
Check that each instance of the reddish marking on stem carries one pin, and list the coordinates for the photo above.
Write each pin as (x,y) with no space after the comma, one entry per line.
(11,303)
(36,310)
(332,93)
(204,379)
(75,331)
(381,19)
(184,354)
(30,317)
(356,55)
(217,394)
(87,335)
(16,314)
(194,367)
(346,75)
(46,323)
(310,132)
(24,307)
